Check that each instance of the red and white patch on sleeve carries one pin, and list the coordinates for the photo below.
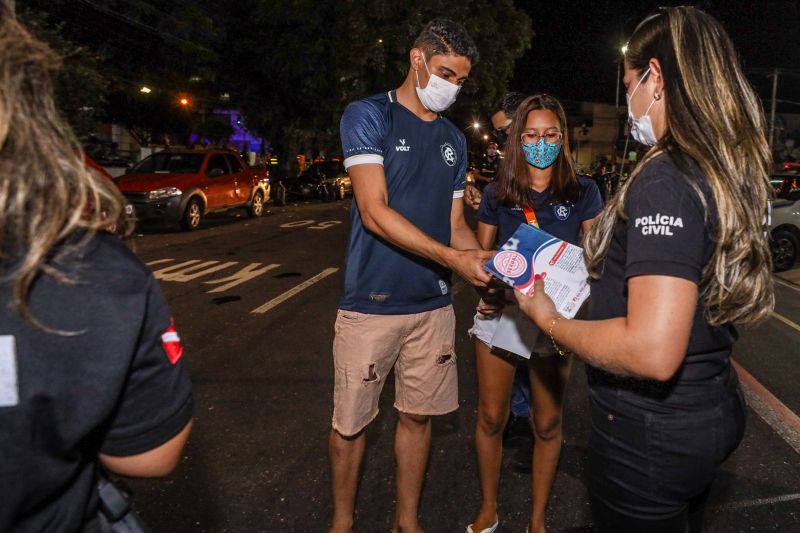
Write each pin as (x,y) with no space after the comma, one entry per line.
(172,343)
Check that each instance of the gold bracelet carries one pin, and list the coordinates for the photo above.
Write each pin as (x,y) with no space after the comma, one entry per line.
(562,353)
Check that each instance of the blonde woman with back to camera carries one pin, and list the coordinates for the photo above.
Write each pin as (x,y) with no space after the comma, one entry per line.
(91,375)
(678,258)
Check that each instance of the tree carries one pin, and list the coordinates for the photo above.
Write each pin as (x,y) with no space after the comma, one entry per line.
(289,66)
(124,45)
(296,64)
(81,90)
(378,58)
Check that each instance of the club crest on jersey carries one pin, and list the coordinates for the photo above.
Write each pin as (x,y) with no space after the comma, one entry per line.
(449,154)
(172,343)
(402,147)
(561,212)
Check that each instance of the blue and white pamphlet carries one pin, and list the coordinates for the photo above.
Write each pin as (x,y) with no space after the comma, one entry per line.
(531,251)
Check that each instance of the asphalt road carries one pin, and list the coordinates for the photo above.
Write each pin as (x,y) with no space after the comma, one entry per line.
(255,301)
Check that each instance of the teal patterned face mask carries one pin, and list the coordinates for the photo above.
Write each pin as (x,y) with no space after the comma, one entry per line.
(541,154)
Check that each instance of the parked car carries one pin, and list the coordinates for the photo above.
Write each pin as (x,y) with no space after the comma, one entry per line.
(785,224)
(96,167)
(183,186)
(326,179)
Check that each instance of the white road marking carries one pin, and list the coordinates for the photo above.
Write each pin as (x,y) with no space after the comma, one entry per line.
(159,274)
(291,292)
(785,284)
(249,272)
(786,321)
(775,413)
(297,223)
(325,225)
(191,270)
(158,262)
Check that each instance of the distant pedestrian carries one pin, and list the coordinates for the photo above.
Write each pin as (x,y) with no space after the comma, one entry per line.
(488,166)
(91,375)
(502,115)
(678,257)
(408,167)
(602,179)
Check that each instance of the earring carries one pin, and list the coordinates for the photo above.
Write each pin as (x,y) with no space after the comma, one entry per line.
(656,96)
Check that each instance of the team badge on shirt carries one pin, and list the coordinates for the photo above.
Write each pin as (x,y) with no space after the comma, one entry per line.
(561,212)
(172,343)
(449,154)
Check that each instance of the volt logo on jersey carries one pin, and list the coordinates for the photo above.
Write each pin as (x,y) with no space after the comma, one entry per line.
(449,154)
(172,343)
(402,147)
(443,286)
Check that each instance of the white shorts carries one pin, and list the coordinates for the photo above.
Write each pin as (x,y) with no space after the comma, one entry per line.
(484,327)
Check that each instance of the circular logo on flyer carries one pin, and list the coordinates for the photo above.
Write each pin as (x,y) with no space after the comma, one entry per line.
(511,264)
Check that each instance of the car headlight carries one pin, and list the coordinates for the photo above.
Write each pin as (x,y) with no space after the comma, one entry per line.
(164,192)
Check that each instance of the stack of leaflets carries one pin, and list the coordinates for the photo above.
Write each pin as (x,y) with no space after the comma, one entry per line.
(531,251)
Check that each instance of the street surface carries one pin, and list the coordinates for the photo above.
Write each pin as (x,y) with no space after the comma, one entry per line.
(255,301)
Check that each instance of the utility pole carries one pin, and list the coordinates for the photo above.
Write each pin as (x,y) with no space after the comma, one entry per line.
(774,77)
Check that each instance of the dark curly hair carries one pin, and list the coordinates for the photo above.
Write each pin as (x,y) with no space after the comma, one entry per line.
(445,37)
(508,104)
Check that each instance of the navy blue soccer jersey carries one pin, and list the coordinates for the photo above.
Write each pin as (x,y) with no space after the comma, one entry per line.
(425,164)
(560,220)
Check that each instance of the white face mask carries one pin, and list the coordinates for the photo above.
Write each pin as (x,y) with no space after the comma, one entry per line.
(642,127)
(439,94)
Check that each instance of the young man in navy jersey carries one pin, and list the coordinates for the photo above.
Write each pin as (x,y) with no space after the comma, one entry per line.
(408,168)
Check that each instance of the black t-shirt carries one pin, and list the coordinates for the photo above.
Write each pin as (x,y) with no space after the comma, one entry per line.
(116,386)
(488,167)
(488,170)
(667,233)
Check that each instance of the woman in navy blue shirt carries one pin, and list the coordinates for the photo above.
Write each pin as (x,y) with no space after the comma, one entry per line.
(537,184)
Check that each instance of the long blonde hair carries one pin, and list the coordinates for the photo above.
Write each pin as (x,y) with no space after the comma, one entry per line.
(714,118)
(46,191)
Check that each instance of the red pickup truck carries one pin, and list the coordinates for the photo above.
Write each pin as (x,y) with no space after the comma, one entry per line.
(182,186)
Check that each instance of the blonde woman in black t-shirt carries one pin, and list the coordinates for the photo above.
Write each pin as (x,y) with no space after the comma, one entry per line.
(90,362)
(678,258)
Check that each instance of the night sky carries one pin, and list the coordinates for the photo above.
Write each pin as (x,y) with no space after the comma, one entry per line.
(576,46)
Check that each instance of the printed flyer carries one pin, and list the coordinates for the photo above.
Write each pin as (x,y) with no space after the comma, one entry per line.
(531,251)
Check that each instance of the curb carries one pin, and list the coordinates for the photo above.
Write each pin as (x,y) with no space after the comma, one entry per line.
(782,419)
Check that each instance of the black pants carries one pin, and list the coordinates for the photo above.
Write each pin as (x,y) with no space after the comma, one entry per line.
(652,459)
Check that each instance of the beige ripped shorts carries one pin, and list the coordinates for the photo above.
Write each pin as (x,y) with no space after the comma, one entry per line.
(420,348)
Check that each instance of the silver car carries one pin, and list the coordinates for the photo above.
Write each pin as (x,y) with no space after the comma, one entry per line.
(785,226)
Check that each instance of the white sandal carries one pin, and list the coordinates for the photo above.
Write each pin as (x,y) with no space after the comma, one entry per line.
(489,529)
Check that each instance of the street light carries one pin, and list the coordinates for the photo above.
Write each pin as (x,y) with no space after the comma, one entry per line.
(485,137)
(184,102)
(145,90)
(476,125)
(623,49)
